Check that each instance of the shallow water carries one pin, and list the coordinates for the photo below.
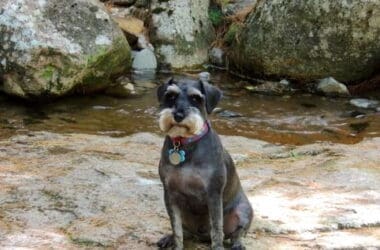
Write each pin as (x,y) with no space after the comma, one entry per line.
(297,119)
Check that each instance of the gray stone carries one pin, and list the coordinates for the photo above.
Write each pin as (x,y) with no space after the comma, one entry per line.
(144,60)
(182,32)
(364,103)
(49,48)
(122,88)
(143,43)
(237,6)
(229,114)
(271,88)
(309,40)
(217,56)
(204,76)
(142,3)
(330,87)
(284,82)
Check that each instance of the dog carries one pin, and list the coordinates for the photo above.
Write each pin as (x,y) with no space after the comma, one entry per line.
(202,191)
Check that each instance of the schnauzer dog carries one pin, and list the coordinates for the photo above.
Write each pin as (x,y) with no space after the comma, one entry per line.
(202,191)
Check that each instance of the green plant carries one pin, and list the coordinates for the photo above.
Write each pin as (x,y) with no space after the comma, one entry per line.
(231,33)
(216,16)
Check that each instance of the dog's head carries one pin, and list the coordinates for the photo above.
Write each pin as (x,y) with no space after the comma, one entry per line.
(184,106)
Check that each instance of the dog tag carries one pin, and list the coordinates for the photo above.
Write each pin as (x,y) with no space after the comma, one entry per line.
(176,156)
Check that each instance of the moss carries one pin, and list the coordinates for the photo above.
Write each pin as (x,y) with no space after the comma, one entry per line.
(231,34)
(103,64)
(158,10)
(216,16)
(47,72)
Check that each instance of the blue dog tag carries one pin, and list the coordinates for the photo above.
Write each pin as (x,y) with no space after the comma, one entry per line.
(176,156)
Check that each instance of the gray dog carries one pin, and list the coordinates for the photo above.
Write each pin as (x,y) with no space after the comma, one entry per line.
(202,191)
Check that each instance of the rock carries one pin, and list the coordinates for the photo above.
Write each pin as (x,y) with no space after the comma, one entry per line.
(217,57)
(123,2)
(330,87)
(229,114)
(234,7)
(122,88)
(74,191)
(134,29)
(50,48)
(364,103)
(204,76)
(182,32)
(142,43)
(142,3)
(130,25)
(144,60)
(309,40)
(271,88)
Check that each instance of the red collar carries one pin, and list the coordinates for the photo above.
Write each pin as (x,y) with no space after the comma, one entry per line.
(187,140)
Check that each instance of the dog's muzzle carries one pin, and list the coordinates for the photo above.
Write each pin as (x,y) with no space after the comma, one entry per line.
(178,124)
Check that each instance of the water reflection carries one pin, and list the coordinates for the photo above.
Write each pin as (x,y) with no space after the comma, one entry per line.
(296,119)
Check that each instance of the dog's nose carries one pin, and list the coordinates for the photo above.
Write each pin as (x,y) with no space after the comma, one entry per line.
(179,116)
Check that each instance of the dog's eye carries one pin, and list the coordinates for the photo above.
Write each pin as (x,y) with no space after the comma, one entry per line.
(196,98)
(171,97)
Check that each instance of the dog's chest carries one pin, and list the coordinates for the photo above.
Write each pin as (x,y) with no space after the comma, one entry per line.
(187,181)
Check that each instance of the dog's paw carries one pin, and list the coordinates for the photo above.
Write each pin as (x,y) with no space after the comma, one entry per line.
(166,242)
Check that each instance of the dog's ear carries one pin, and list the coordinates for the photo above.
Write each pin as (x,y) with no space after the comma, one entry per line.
(212,95)
(162,89)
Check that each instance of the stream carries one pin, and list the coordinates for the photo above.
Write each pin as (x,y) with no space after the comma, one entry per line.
(296,119)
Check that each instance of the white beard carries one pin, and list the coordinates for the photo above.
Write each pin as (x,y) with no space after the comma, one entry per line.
(191,125)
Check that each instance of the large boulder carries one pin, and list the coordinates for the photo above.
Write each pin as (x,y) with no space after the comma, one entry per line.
(51,48)
(307,40)
(181,31)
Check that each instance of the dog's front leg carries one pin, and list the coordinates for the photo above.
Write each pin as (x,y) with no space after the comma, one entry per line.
(215,208)
(176,222)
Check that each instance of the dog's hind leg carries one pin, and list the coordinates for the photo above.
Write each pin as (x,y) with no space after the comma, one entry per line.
(237,222)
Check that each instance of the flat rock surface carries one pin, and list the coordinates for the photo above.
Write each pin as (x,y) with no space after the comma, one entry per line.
(76,191)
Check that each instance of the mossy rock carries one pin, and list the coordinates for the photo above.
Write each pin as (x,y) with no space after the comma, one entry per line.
(309,40)
(58,54)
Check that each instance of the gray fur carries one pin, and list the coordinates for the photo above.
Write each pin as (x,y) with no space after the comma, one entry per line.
(204,192)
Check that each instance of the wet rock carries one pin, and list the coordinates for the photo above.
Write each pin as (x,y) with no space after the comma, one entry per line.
(122,88)
(204,76)
(229,114)
(217,57)
(271,88)
(144,60)
(359,126)
(46,52)
(364,103)
(182,32)
(331,87)
(314,39)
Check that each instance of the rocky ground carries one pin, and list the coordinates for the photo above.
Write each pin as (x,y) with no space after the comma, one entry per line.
(77,191)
